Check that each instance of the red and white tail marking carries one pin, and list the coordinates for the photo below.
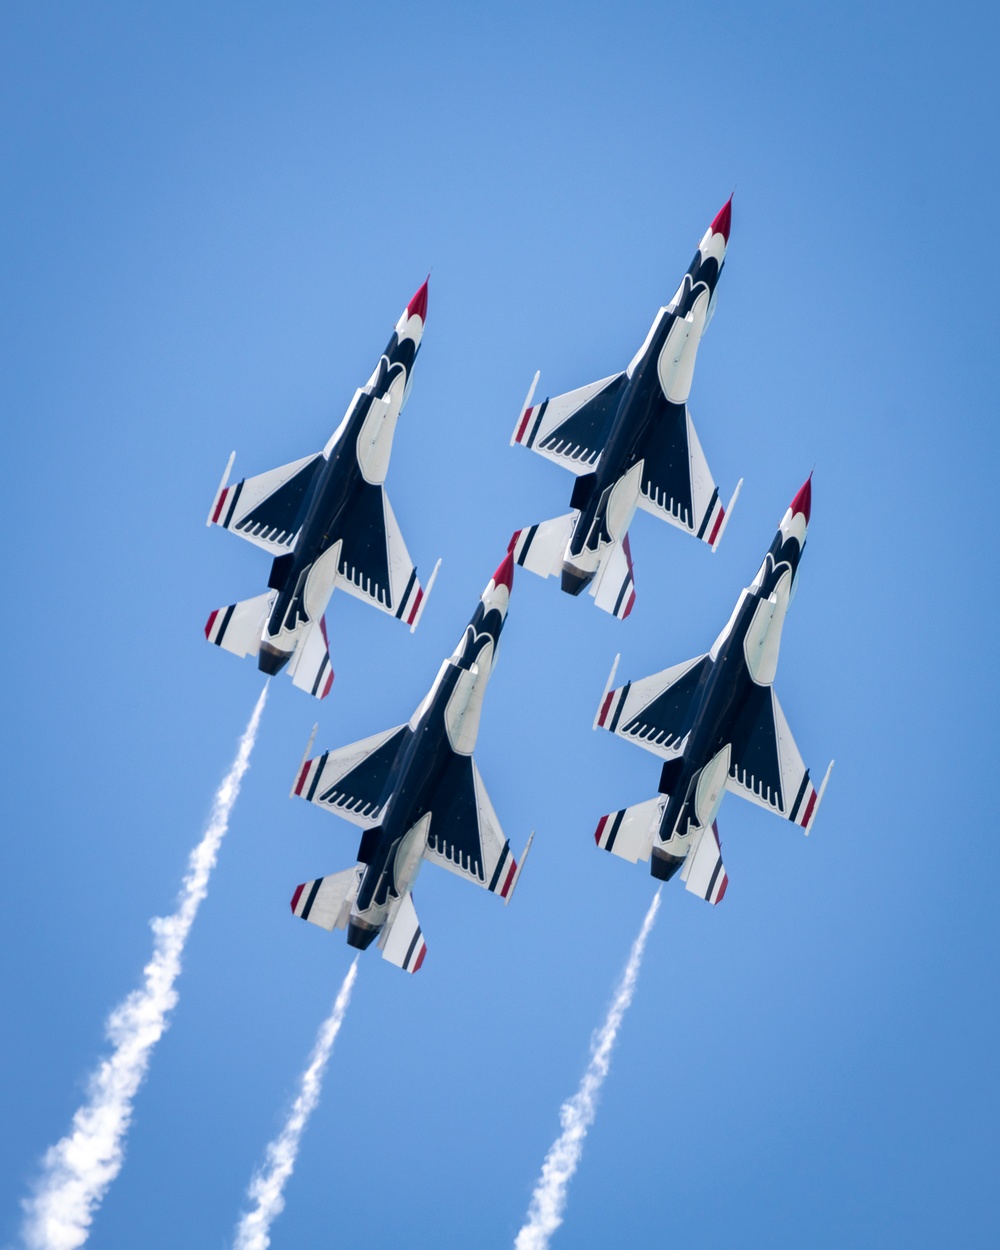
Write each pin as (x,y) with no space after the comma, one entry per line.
(628,833)
(327,901)
(614,587)
(238,627)
(311,669)
(540,548)
(402,940)
(704,873)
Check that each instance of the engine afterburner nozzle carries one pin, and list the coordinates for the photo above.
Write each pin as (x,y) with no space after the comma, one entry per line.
(662,865)
(361,935)
(270,660)
(574,580)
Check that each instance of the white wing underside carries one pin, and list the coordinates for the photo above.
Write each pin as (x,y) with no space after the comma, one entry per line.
(263,509)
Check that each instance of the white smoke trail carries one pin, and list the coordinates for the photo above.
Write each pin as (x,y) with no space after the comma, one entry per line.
(267,1188)
(77,1171)
(548,1202)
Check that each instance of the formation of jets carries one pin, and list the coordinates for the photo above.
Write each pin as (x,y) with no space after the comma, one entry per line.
(415,790)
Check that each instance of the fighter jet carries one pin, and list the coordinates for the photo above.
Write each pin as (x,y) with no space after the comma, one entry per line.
(630,441)
(416,792)
(327,522)
(718,724)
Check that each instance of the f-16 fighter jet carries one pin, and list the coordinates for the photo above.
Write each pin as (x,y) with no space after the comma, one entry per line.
(718,724)
(327,522)
(416,792)
(631,443)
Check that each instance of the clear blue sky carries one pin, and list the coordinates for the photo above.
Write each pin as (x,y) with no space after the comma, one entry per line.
(213,215)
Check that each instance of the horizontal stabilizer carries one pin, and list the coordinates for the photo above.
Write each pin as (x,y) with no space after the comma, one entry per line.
(310,668)
(540,548)
(403,942)
(239,627)
(704,872)
(629,833)
(614,587)
(327,902)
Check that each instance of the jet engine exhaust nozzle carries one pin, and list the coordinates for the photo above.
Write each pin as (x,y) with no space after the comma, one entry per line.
(663,866)
(574,580)
(361,935)
(270,660)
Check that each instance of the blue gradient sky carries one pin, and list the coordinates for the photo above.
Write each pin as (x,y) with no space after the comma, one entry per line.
(213,216)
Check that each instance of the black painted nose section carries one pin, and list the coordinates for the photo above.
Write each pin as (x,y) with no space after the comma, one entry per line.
(662,865)
(573,581)
(270,660)
(360,936)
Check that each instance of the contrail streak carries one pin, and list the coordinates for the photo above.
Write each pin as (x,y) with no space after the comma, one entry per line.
(77,1171)
(548,1202)
(267,1188)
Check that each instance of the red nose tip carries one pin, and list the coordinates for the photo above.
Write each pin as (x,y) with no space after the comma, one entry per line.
(417,307)
(723,219)
(803,500)
(504,576)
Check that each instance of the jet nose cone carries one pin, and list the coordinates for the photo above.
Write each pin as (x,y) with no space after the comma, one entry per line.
(803,500)
(417,307)
(270,660)
(573,580)
(723,219)
(504,576)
